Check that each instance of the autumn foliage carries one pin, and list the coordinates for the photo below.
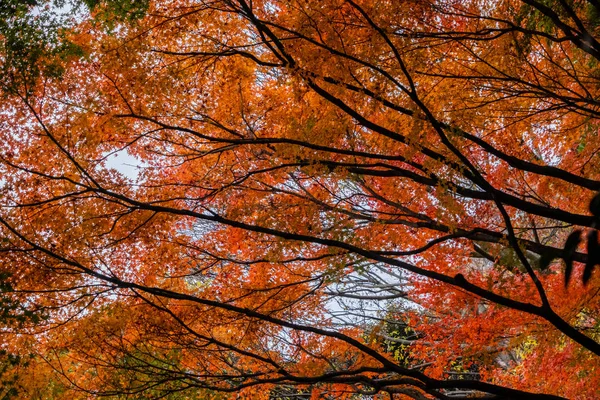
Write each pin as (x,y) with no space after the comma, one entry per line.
(338,199)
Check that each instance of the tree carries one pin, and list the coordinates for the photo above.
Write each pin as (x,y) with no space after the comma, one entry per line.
(316,182)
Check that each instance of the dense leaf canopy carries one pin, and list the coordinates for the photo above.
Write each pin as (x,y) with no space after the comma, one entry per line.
(340,199)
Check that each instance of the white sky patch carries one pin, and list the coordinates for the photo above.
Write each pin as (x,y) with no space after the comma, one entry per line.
(125,164)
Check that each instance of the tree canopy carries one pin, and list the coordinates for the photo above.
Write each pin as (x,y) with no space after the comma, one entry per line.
(340,199)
